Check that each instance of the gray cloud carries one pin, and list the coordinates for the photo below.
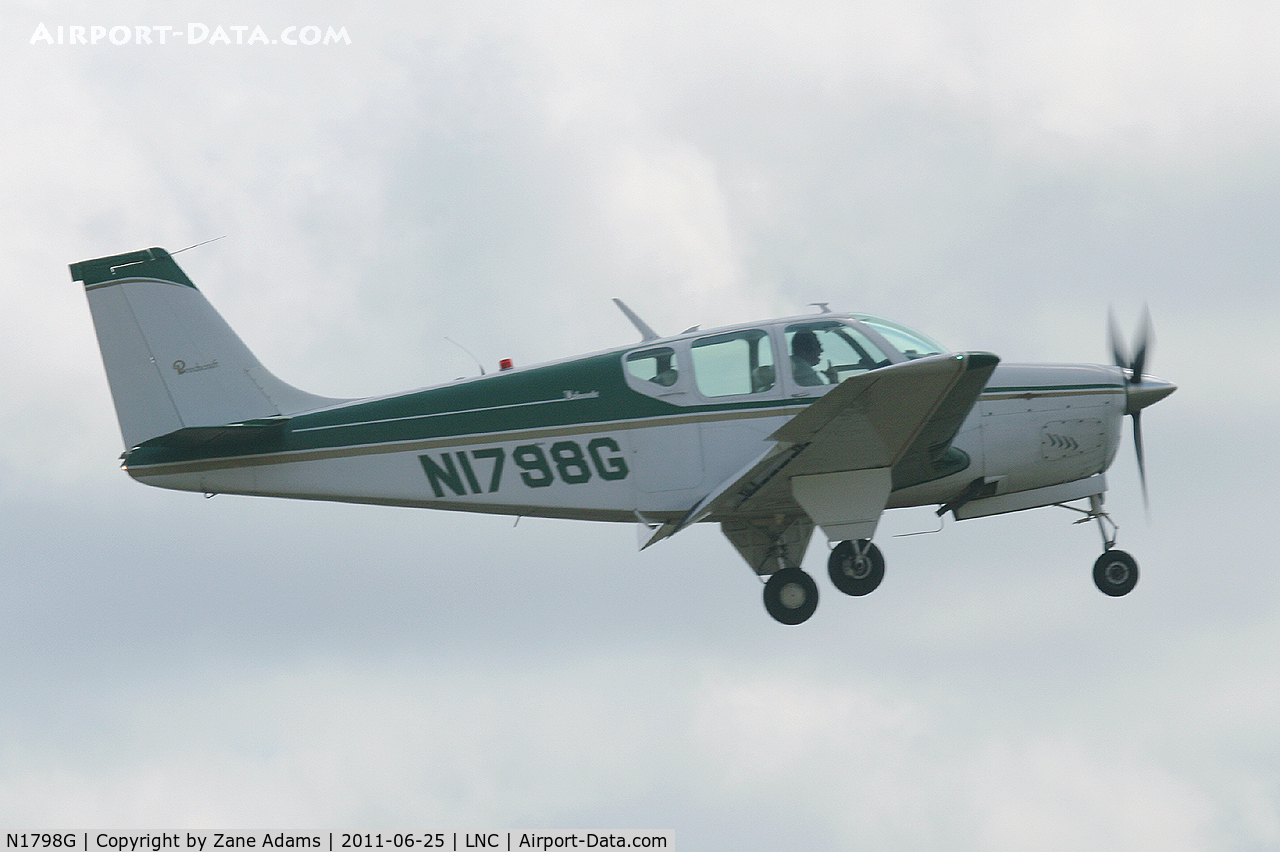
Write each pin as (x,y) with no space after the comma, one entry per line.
(995,175)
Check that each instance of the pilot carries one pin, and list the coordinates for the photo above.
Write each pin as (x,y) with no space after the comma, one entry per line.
(805,353)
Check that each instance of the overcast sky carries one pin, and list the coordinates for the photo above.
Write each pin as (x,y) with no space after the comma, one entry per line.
(994,173)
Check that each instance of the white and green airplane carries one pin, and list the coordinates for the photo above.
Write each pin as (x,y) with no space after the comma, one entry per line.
(768,429)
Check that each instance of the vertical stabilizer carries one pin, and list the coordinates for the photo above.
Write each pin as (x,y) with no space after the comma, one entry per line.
(171,360)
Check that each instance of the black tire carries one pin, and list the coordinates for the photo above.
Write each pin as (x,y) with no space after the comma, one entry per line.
(791,596)
(853,574)
(1115,573)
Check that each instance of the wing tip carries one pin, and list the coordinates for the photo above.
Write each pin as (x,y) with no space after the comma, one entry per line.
(981,360)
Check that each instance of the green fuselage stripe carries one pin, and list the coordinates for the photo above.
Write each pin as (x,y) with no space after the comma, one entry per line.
(560,399)
(576,397)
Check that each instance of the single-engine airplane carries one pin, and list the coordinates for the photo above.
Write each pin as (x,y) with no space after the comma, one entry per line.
(768,429)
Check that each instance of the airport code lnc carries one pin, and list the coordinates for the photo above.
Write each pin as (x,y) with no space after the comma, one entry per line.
(481,471)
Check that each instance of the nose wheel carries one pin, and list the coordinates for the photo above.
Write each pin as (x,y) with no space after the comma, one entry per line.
(1115,573)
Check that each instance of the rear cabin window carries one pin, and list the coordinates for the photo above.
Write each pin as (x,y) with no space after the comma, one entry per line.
(734,363)
(657,366)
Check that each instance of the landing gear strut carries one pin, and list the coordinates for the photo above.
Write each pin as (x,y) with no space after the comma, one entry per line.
(774,548)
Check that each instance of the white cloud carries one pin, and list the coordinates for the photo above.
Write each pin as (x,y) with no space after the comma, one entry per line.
(682,744)
(1052,795)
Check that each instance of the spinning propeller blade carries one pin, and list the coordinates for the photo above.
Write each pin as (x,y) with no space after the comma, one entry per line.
(1118,355)
(1140,390)
(1142,459)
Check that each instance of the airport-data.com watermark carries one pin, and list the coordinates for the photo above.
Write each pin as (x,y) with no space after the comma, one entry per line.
(191,34)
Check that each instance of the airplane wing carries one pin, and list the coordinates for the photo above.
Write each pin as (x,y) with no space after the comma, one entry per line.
(838,459)
(927,457)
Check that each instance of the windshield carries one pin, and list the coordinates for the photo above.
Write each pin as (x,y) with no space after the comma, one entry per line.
(913,344)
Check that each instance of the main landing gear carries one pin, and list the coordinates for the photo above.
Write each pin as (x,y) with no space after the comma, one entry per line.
(791,596)
(855,567)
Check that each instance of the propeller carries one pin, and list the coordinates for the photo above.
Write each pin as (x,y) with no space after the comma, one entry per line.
(1141,390)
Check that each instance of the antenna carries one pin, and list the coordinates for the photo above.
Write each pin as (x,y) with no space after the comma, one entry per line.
(646,333)
(197,245)
(469,352)
(823,307)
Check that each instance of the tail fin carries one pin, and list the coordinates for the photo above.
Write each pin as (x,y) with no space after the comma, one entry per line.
(172,361)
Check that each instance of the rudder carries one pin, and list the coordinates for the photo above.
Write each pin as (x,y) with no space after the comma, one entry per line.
(171,360)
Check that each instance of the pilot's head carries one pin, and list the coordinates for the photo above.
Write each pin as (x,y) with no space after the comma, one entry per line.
(805,346)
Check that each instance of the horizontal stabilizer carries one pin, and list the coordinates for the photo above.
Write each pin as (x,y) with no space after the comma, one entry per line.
(253,434)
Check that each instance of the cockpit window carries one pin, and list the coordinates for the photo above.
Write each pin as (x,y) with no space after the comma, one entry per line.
(913,344)
(657,365)
(826,352)
(734,363)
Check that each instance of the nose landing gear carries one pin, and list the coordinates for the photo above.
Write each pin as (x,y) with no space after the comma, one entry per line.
(1115,572)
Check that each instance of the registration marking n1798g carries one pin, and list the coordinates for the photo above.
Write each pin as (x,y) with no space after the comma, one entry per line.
(464,472)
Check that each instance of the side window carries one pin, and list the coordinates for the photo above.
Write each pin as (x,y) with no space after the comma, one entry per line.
(827,352)
(658,366)
(734,363)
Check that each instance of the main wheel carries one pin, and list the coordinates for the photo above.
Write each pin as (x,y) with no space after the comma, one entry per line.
(791,596)
(1115,573)
(856,568)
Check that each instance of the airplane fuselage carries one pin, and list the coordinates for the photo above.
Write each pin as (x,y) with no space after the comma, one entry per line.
(576,440)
